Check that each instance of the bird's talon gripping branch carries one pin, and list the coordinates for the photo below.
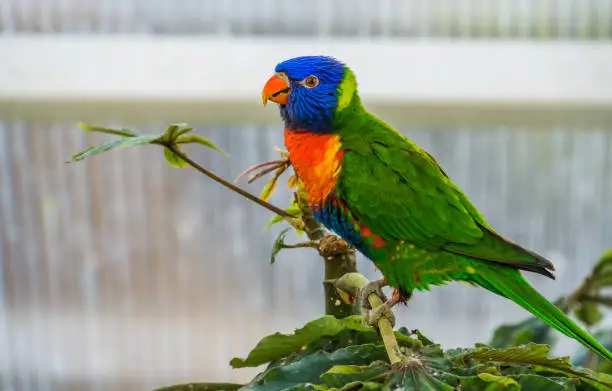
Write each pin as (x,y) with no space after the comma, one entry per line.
(372,287)
(371,317)
(309,244)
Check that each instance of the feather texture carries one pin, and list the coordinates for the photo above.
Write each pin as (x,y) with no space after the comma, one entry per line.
(391,200)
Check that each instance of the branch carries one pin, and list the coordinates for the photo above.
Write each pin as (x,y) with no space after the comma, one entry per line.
(339,260)
(225,183)
(338,256)
(350,284)
(604,300)
(178,134)
(311,244)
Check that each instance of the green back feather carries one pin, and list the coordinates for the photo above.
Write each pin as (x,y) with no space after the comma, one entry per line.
(434,233)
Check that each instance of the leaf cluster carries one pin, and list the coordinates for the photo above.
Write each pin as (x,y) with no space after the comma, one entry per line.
(175,135)
(343,354)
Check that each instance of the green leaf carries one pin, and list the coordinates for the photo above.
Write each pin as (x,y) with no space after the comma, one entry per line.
(279,244)
(174,130)
(530,330)
(174,159)
(340,375)
(535,355)
(426,382)
(275,220)
(268,189)
(604,265)
(177,134)
(118,132)
(307,371)
(202,387)
(422,338)
(541,383)
(277,346)
(139,140)
(526,382)
(506,382)
(362,386)
(589,313)
(123,142)
(197,139)
(328,364)
(181,132)
(293,210)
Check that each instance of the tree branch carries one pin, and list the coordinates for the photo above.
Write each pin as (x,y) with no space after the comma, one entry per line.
(339,259)
(338,256)
(225,183)
(351,283)
(603,300)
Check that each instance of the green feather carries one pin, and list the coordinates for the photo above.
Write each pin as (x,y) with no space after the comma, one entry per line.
(511,284)
(434,234)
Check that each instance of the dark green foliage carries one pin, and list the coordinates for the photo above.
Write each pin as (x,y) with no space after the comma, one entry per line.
(530,330)
(279,244)
(312,337)
(343,354)
(586,303)
(293,210)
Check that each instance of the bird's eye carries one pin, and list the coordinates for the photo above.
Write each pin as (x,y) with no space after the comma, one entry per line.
(311,81)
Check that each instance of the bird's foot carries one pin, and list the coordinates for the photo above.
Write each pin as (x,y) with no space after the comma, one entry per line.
(371,317)
(372,287)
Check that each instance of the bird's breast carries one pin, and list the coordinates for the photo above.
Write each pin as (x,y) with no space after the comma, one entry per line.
(317,160)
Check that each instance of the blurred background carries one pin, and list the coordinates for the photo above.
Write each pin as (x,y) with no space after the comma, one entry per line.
(123,273)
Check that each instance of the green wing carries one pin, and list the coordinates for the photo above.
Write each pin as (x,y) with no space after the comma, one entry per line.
(400,192)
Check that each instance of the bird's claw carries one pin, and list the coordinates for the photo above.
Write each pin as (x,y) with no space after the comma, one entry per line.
(371,317)
(372,287)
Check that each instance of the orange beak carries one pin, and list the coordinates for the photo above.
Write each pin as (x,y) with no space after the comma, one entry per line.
(276,89)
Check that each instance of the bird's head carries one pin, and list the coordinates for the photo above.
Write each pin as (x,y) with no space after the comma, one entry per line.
(311,92)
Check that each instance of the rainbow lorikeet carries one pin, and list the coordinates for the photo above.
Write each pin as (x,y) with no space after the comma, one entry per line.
(390,199)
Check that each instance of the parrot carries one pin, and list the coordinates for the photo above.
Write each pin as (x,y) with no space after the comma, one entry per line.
(391,200)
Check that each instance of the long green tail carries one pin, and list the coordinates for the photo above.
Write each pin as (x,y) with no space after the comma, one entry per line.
(509,282)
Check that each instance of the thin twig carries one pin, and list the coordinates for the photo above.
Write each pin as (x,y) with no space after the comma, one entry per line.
(352,283)
(311,244)
(225,183)
(604,300)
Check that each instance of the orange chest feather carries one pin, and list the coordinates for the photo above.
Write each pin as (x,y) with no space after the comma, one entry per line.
(316,158)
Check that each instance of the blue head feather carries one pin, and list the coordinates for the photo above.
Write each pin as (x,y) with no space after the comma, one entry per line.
(311,108)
